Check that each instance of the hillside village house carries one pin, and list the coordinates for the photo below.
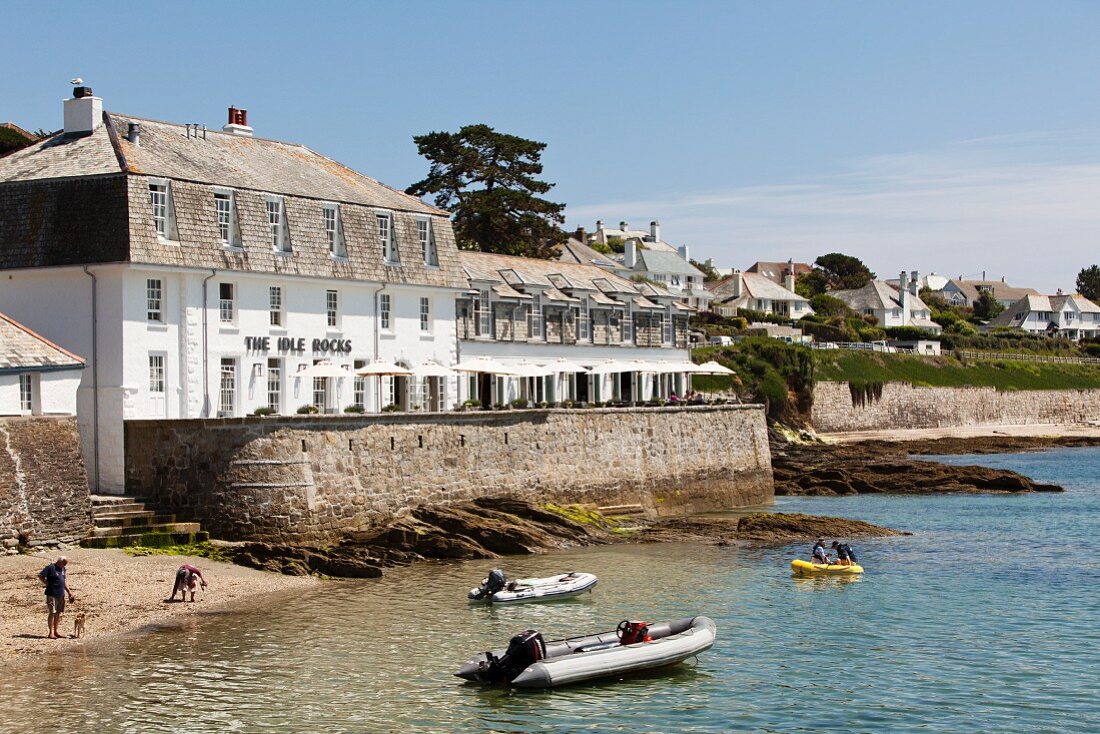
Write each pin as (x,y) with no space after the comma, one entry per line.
(758,292)
(778,272)
(37,377)
(549,318)
(1072,316)
(959,292)
(650,239)
(200,272)
(891,306)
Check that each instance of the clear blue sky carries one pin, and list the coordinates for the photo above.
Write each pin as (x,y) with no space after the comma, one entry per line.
(948,136)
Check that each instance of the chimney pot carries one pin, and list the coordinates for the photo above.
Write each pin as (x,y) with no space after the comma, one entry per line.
(238,123)
(133,133)
(623,226)
(581,235)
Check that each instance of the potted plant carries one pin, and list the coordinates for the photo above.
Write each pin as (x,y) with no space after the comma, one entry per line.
(308,410)
(355,409)
(263,411)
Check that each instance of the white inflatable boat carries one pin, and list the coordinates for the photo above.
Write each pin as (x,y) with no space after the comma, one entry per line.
(496,589)
(529,662)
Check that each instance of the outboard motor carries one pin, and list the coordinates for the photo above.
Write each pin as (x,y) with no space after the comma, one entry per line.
(495,582)
(524,650)
(630,632)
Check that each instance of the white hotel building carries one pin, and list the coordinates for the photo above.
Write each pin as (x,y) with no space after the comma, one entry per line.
(198,271)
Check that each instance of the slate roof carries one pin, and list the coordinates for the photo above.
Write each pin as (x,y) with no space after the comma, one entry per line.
(575,251)
(22,350)
(1001,291)
(552,276)
(754,285)
(73,200)
(666,262)
(774,270)
(877,295)
(253,163)
(1032,303)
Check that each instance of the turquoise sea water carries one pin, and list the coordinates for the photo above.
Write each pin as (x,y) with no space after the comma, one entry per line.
(986,619)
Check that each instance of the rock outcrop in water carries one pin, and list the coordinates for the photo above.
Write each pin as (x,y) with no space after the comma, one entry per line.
(492,527)
(483,528)
(884,468)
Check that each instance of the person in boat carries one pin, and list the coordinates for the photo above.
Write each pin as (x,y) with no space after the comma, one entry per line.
(844,554)
(819,554)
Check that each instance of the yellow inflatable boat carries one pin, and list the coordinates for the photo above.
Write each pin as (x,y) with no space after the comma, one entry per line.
(805,568)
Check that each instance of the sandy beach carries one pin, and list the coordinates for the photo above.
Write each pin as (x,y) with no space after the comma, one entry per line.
(1074,430)
(119,593)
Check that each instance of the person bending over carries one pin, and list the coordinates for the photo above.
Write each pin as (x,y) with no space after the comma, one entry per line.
(186,578)
(844,554)
(818,555)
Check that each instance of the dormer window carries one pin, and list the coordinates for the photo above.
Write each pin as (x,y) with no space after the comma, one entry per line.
(226,205)
(160,197)
(334,231)
(276,220)
(386,236)
(427,241)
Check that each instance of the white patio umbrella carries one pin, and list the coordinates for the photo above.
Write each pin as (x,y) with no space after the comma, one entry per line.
(323,369)
(483,364)
(610,367)
(564,365)
(665,367)
(527,369)
(713,368)
(382,369)
(432,369)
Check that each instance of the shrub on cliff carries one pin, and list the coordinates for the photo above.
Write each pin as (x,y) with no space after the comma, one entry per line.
(768,371)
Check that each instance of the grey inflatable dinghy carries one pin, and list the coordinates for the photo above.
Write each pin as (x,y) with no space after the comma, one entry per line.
(497,590)
(529,662)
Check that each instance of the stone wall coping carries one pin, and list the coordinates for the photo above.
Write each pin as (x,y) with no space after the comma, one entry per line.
(452,416)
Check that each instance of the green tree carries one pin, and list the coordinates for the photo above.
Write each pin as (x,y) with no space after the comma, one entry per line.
(811,284)
(710,273)
(1088,283)
(986,307)
(487,180)
(844,272)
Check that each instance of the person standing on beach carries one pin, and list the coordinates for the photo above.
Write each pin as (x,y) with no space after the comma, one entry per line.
(185,581)
(57,588)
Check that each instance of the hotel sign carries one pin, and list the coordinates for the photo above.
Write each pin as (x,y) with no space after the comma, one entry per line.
(297,345)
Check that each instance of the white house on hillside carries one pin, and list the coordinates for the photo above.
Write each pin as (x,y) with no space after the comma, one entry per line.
(959,292)
(1072,316)
(758,292)
(891,306)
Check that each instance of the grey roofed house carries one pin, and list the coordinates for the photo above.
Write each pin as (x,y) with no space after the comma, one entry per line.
(757,292)
(1070,314)
(22,350)
(891,306)
(653,261)
(966,292)
(84,198)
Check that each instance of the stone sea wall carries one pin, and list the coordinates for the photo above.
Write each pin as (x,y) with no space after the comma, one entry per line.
(43,484)
(901,405)
(313,478)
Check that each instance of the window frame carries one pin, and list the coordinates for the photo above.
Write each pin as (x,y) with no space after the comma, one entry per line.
(425,232)
(26,393)
(425,315)
(234,374)
(332,308)
(337,246)
(168,215)
(232,238)
(158,310)
(390,254)
(276,307)
(232,303)
(157,374)
(385,312)
(274,367)
(278,230)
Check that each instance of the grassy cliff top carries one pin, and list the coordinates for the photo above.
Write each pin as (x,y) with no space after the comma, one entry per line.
(947,371)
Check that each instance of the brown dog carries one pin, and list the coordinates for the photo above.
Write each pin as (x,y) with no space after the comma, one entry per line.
(78,624)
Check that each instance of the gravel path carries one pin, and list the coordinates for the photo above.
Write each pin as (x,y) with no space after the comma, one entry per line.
(119,593)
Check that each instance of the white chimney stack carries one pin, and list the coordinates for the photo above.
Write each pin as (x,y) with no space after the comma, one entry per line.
(630,254)
(914,283)
(683,250)
(623,226)
(655,231)
(83,113)
(903,297)
(736,283)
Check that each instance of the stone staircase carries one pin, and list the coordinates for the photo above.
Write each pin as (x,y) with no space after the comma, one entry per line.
(121,521)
